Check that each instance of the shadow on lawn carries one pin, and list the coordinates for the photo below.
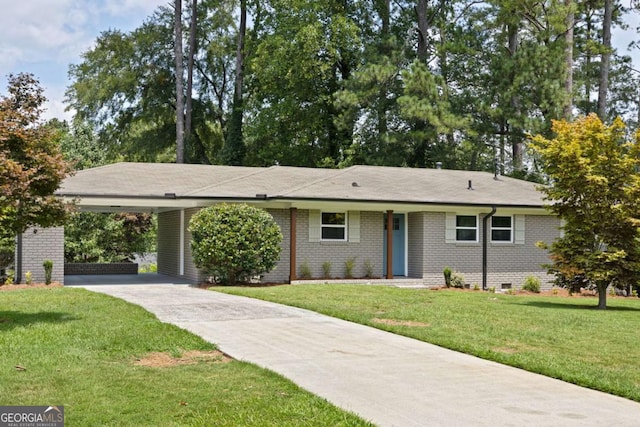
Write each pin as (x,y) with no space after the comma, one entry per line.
(594,306)
(15,319)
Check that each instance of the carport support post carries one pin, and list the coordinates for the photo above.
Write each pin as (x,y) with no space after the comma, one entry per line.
(293,219)
(389,244)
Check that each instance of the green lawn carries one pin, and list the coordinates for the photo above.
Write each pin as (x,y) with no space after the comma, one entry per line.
(78,349)
(559,337)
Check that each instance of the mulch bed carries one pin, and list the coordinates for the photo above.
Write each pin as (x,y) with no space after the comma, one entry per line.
(32,286)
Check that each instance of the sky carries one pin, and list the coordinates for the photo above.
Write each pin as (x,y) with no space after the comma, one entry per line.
(43,37)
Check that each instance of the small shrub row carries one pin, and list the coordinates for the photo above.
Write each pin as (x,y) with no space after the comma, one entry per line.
(349,267)
(456,280)
(10,277)
(453,278)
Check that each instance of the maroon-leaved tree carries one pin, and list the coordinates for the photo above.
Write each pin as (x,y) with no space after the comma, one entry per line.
(31,164)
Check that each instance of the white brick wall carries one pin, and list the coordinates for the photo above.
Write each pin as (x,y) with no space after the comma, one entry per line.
(506,263)
(38,245)
(281,272)
(168,243)
(314,254)
(428,253)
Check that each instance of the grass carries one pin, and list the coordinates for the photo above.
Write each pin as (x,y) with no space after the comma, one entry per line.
(561,337)
(77,348)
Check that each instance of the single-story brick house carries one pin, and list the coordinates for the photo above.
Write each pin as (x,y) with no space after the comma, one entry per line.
(396,222)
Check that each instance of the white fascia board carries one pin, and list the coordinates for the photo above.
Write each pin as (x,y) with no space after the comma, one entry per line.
(118,204)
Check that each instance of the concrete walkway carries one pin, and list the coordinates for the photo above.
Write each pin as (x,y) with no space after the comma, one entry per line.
(388,379)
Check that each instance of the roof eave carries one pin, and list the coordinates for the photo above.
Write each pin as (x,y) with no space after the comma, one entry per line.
(170,201)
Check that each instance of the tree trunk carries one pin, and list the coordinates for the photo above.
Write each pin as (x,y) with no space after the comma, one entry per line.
(602,296)
(517,146)
(192,52)
(237,95)
(512,131)
(234,150)
(587,61)
(384,12)
(568,52)
(423,27)
(501,148)
(603,80)
(177,48)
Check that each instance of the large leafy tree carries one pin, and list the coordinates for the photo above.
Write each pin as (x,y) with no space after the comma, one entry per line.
(594,175)
(31,164)
(304,51)
(125,87)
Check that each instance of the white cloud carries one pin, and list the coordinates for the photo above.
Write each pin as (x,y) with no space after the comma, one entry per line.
(40,29)
(125,7)
(44,36)
(55,107)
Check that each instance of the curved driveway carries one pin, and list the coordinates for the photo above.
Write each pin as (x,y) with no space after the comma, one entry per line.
(388,379)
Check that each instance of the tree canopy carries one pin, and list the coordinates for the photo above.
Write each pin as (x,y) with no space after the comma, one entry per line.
(403,83)
(31,164)
(594,175)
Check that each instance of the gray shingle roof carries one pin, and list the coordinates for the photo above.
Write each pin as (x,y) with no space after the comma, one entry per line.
(356,183)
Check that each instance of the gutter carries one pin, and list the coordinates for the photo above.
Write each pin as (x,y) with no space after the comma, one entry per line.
(265,197)
(485,238)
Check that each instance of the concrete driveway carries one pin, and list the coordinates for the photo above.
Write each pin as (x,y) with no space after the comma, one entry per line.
(388,379)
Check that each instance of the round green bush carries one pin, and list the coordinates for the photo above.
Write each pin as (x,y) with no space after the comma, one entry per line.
(531,284)
(234,242)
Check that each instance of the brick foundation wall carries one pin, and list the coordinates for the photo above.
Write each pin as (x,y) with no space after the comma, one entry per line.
(89,268)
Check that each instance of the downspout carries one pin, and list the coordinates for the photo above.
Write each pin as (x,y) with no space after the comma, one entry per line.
(293,226)
(18,270)
(485,238)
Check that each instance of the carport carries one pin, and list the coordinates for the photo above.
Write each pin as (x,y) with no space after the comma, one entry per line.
(150,189)
(165,190)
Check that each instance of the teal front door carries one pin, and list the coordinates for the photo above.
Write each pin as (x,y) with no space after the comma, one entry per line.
(398,245)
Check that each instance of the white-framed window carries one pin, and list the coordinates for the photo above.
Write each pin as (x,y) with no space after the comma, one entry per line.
(466,228)
(333,226)
(502,229)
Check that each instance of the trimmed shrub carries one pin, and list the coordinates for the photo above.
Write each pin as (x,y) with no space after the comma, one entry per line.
(368,269)
(48,269)
(10,277)
(447,276)
(326,269)
(234,242)
(457,280)
(305,270)
(531,284)
(349,265)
